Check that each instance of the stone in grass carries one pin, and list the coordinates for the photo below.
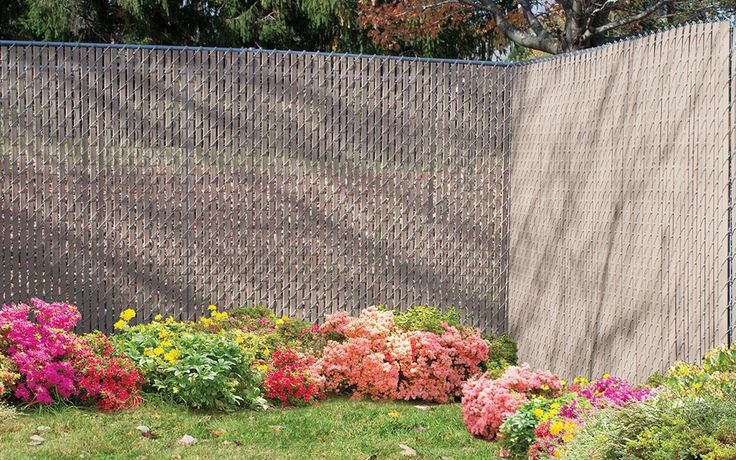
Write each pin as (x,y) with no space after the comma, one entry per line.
(43,428)
(424,408)
(143,428)
(187,440)
(36,440)
(407,451)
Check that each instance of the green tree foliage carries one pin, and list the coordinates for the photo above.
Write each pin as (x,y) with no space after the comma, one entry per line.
(482,29)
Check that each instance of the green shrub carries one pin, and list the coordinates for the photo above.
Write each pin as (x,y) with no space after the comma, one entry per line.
(716,376)
(691,427)
(193,367)
(425,318)
(502,353)
(257,312)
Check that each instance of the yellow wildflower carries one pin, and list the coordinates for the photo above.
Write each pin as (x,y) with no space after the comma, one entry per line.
(262,367)
(279,321)
(266,352)
(570,426)
(556,428)
(605,376)
(120,324)
(157,317)
(172,355)
(567,437)
(165,343)
(148,352)
(239,340)
(538,412)
(393,414)
(563,383)
(212,308)
(128,314)
(163,333)
(158,351)
(557,453)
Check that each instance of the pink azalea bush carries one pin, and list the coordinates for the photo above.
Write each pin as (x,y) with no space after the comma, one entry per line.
(375,358)
(487,402)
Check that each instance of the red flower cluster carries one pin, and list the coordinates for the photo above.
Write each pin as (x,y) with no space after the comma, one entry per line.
(290,379)
(108,382)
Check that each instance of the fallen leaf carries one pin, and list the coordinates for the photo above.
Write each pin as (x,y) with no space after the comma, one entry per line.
(143,428)
(43,428)
(275,428)
(187,440)
(149,434)
(217,433)
(233,442)
(420,428)
(393,414)
(407,451)
(156,416)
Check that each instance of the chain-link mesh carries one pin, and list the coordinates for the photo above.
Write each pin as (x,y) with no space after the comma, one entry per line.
(167,179)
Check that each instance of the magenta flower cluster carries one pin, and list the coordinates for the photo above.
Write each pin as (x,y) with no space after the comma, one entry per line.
(610,391)
(37,339)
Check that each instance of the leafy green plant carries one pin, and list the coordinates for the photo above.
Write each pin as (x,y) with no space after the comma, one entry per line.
(256,312)
(425,318)
(517,430)
(196,368)
(691,427)
(502,353)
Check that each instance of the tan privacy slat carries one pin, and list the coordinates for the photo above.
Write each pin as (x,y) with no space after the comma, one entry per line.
(619,196)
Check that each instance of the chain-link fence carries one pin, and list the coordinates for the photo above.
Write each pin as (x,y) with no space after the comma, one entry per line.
(167,179)
(582,202)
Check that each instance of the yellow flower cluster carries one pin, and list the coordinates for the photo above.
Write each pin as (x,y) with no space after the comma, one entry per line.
(125,318)
(544,416)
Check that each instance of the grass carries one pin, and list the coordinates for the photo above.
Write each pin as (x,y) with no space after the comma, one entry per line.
(333,429)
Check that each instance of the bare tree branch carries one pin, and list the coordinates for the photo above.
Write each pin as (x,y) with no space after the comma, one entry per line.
(542,43)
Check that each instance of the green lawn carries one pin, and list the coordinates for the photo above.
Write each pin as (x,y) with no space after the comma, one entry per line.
(333,429)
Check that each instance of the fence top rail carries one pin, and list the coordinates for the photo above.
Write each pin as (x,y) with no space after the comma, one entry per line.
(732,21)
(253,50)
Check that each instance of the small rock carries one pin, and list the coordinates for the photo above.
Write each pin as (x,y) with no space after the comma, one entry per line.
(424,408)
(187,440)
(407,451)
(143,428)
(36,440)
(43,428)
(420,428)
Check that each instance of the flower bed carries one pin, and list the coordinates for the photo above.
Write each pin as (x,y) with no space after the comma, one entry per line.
(239,358)
(533,414)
